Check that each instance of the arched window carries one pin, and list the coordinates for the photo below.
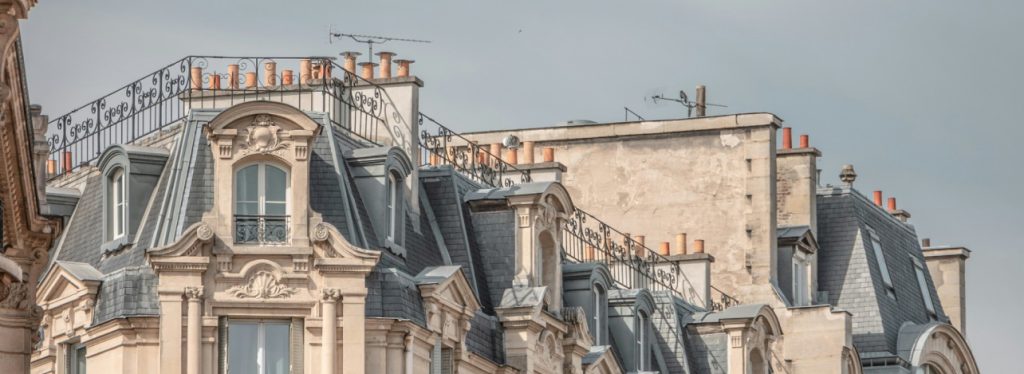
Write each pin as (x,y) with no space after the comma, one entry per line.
(600,314)
(261,204)
(642,344)
(118,207)
(393,203)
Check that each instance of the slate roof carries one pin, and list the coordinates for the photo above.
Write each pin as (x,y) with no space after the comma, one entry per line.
(848,270)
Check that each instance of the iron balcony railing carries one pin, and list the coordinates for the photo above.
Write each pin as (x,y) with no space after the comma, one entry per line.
(162,99)
(586,239)
(250,229)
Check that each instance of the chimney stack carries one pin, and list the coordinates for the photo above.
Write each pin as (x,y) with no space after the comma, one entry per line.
(892,204)
(367,70)
(805,141)
(270,74)
(787,138)
(67,162)
(287,79)
(702,104)
(214,81)
(528,152)
(305,71)
(549,154)
(197,78)
(681,244)
(350,61)
(250,79)
(698,246)
(233,76)
(664,249)
(878,198)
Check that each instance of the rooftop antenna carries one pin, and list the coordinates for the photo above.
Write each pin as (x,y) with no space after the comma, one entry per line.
(370,40)
(701,104)
(630,111)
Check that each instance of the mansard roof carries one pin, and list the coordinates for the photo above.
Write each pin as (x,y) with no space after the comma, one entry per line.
(848,270)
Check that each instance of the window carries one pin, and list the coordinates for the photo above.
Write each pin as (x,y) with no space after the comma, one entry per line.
(393,201)
(258,347)
(261,204)
(801,277)
(118,211)
(876,246)
(600,308)
(75,357)
(922,283)
(643,355)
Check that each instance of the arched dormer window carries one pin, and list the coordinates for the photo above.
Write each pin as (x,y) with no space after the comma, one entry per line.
(118,207)
(600,315)
(393,207)
(643,346)
(261,204)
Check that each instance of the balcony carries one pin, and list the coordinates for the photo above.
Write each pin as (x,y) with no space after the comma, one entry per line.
(261,230)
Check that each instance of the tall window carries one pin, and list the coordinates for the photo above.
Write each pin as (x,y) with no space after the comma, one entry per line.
(800,280)
(75,357)
(261,204)
(922,283)
(393,201)
(258,347)
(118,207)
(643,354)
(600,308)
(876,246)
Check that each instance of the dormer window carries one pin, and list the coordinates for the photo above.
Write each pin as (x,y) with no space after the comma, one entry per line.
(600,317)
(261,204)
(642,341)
(118,207)
(393,203)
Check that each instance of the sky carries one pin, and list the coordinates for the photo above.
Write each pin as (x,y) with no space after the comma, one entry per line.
(921,96)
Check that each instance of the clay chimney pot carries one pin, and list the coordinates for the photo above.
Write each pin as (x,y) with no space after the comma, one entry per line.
(528,152)
(305,71)
(286,77)
(403,67)
(233,76)
(270,74)
(698,246)
(878,198)
(805,141)
(250,79)
(681,244)
(385,63)
(511,156)
(350,61)
(787,138)
(892,204)
(367,69)
(664,249)
(549,154)
(197,78)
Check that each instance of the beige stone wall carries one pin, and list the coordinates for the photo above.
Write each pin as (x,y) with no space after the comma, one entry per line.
(947,267)
(712,178)
(816,339)
(796,182)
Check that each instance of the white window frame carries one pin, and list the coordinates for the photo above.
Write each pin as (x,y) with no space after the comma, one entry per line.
(600,295)
(801,279)
(922,283)
(261,191)
(643,354)
(883,268)
(118,208)
(394,182)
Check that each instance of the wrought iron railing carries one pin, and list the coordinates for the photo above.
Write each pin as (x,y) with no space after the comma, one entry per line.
(586,239)
(250,229)
(440,145)
(163,98)
(721,300)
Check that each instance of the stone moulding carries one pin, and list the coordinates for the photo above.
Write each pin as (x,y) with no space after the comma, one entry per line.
(262,285)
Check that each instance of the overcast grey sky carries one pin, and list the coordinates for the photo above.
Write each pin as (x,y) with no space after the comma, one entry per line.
(921,96)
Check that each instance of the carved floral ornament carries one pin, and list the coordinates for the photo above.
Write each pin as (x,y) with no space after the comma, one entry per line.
(262,284)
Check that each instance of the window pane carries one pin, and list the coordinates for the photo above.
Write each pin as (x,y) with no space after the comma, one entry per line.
(275,209)
(277,348)
(243,341)
(925,294)
(276,184)
(80,360)
(880,258)
(247,184)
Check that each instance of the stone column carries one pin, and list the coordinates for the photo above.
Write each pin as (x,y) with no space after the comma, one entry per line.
(329,336)
(353,351)
(170,331)
(194,295)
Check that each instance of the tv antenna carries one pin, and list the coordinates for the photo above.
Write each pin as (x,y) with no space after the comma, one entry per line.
(370,40)
(685,100)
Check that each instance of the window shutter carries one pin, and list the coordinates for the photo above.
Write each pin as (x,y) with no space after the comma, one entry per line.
(296,331)
(222,345)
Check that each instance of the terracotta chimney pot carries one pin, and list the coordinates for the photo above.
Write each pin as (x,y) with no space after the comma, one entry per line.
(385,63)
(640,246)
(51,167)
(233,76)
(495,152)
(878,198)
(549,154)
(664,249)
(250,79)
(325,70)
(67,162)
(588,253)
(403,67)
(214,81)
(367,69)
(286,77)
(528,152)
(197,78)
(805,141)
(270,74)
(892,204)
(681,243)
(698,246)
(433,159)
(305,71)
(787,138)
(350,61)
(926,242)
(512,156)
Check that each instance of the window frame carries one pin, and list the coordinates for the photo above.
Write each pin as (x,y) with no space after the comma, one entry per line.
(118,209)
(600,313)
(643,320)
(883,267)
(261,341)
(922,284)
(72,355)
(261,197)
(392,206)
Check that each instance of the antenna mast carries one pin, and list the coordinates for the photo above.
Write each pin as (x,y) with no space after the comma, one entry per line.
(370,40)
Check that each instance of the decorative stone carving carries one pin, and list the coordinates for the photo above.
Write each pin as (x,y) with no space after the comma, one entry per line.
(262,136)
(262,285)
(194,293)
(331,294)
(320,232)
(16,295)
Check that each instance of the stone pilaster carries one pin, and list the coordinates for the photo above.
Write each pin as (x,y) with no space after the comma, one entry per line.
(329,346)
(194,295)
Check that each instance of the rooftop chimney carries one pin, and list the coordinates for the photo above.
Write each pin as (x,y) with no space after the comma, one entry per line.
(805,141)
(367,69)
(385,63)
(787,138)
(233,76)
(305,71)
(892,204)
(926,242)
(403,67)
(878,198)
(702,103)
(947,266)
(350,61)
